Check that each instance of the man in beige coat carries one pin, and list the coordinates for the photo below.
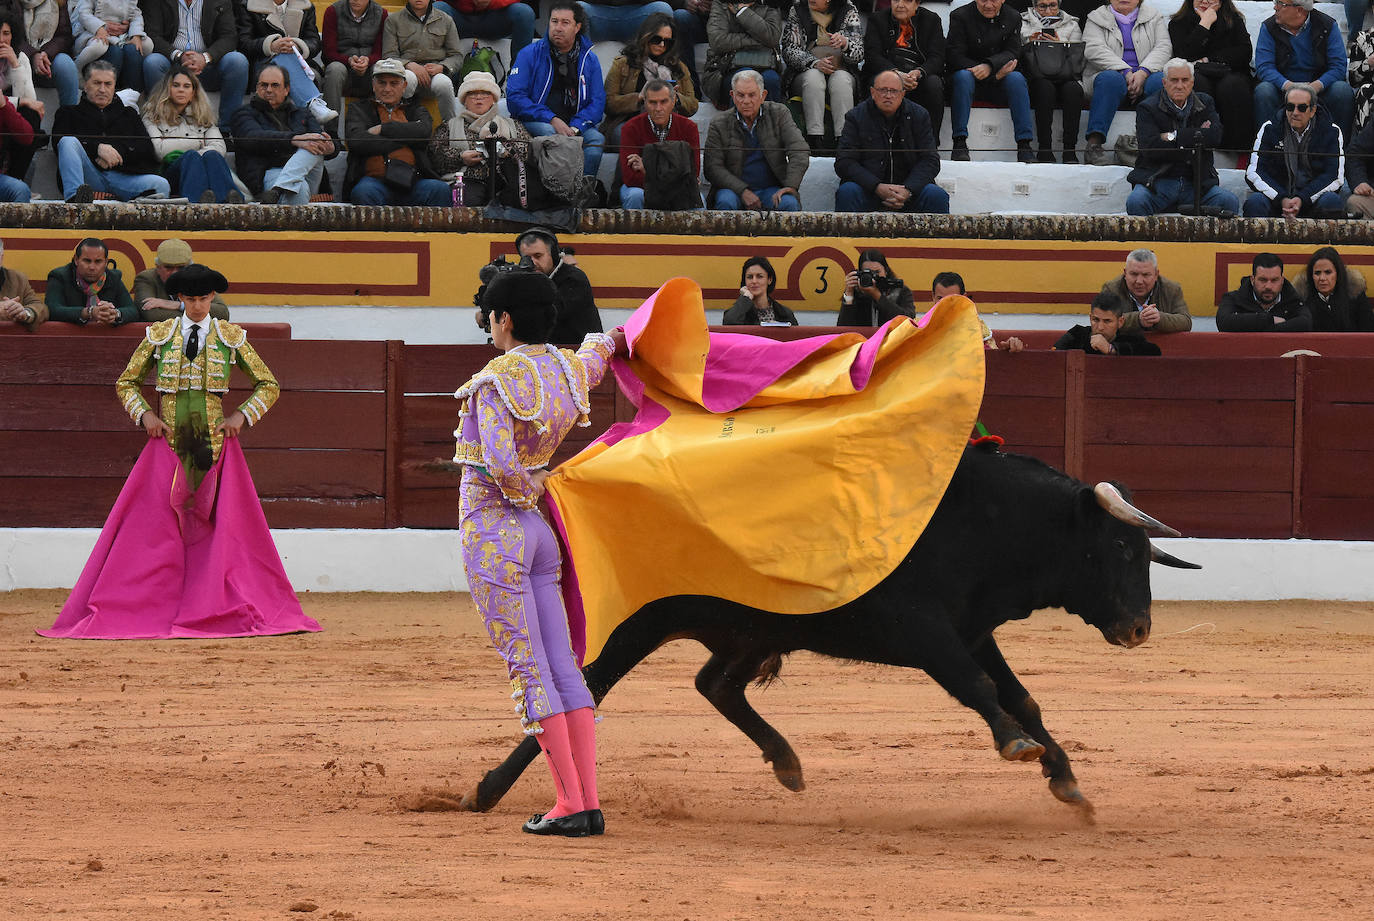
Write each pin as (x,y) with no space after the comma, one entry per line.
(18,302)
(426,40)
(755,156)
(1150,302)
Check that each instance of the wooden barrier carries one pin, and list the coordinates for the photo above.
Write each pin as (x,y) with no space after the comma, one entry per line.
(1218,447)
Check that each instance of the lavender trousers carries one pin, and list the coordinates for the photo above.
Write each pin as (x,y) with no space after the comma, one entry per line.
(512,561)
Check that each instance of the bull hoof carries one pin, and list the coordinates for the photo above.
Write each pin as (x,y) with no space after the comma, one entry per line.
(1066,791)
(791,778)
(470,802)
(1022,750)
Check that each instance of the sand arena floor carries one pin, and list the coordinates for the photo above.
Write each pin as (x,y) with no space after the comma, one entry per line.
(1232,768)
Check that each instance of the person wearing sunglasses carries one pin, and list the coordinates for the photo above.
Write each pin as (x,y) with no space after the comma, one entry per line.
(653,55)
(1296,166)
(1301,45)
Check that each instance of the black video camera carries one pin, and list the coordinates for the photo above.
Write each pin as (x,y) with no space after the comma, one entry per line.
(498,266)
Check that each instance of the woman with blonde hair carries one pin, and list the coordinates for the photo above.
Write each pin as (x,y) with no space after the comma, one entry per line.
(188,143)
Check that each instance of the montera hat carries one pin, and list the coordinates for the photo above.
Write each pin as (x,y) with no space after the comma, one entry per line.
(196,280)
(519,289)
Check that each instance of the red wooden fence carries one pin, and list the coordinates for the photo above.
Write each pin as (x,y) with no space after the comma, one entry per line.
(1218,447)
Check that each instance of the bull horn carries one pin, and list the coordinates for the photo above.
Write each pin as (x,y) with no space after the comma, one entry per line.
(1168,559)
(1110,499)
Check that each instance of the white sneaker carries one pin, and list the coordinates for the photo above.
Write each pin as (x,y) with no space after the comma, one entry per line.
(323,114)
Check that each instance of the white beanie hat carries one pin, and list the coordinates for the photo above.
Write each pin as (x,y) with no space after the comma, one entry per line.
(479,81)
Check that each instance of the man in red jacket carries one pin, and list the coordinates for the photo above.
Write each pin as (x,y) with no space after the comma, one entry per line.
(511,19)
(656,123)
(15,133)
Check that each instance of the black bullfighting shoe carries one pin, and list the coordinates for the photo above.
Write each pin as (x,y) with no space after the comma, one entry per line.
(578,825)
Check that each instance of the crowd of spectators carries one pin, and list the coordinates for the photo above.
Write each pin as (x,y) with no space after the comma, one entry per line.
(870,80)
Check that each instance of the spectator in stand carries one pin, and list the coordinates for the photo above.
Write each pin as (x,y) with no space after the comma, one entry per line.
(1361,73)
(1104,334)
(285,34)
(279,147)
(690,19)
(203,39)
(1212,34)
(910,40)
(872,294)
(45,35)
(385,132)
(984,41)
(576,305)
(427,41)
(350,43)
(111,31)
(1359,156)
(20,99)
(492,19)
(457,146)
(556,86)
(653,55)
(887,159)
(1300,45)
(18,302)
(755,305)
(656,124)
(1044,23)
(948,284)
(1264,302)
(1296,167)
(619,20)
(823,48)
(1126,46)
(742,36)
(102,144)
(150,285)
(1334,294)
(1173,128)
(187,141)
(1150,302)
(755,156)
(16,141)
(88,289)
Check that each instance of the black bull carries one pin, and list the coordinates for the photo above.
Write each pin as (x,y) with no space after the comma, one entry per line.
(1010,536)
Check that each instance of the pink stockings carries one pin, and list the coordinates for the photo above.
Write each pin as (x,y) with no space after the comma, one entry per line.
(569,745)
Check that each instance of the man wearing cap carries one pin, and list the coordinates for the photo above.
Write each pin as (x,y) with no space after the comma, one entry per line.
(150,285)
(194,354)
(388,137)
(18,302)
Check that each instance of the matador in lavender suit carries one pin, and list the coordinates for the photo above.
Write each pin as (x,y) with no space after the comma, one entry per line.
(515,413)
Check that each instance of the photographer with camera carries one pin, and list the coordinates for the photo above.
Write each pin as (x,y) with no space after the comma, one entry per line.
(873,295)
(576,306)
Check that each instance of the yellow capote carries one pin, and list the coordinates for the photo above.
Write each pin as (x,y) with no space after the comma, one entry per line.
(799,501)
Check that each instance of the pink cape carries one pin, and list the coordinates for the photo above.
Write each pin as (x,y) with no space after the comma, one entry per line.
(170,563)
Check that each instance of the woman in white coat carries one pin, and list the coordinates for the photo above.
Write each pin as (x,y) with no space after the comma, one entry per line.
(1126,47)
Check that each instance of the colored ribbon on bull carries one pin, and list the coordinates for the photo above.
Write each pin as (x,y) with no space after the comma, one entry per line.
(787,476)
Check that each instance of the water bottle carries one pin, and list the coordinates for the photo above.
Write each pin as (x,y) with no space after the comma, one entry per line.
(458,191)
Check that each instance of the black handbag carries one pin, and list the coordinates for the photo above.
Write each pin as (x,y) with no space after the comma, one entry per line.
(1053,60)
(521,186)
(400,175)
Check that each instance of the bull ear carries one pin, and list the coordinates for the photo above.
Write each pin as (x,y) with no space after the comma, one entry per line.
(1110,498)
(1168,559)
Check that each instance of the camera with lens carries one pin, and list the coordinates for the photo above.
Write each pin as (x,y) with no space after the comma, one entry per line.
(866,278)
(498,266)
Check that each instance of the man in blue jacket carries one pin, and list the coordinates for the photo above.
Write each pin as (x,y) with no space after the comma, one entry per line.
(1297,166)
(1301,45)
(886,159)
(556,85)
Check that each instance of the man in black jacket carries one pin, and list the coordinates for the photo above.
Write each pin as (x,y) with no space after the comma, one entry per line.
(280,148)
(1174,127)
(577,313)
(102,145)
(910,40)
(210,52)
(1358,157)
(1103,335)
(384,131)
(984,43)
(1265,302)
(886,158)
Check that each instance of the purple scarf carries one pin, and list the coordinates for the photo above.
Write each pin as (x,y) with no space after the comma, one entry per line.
(1126,23)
